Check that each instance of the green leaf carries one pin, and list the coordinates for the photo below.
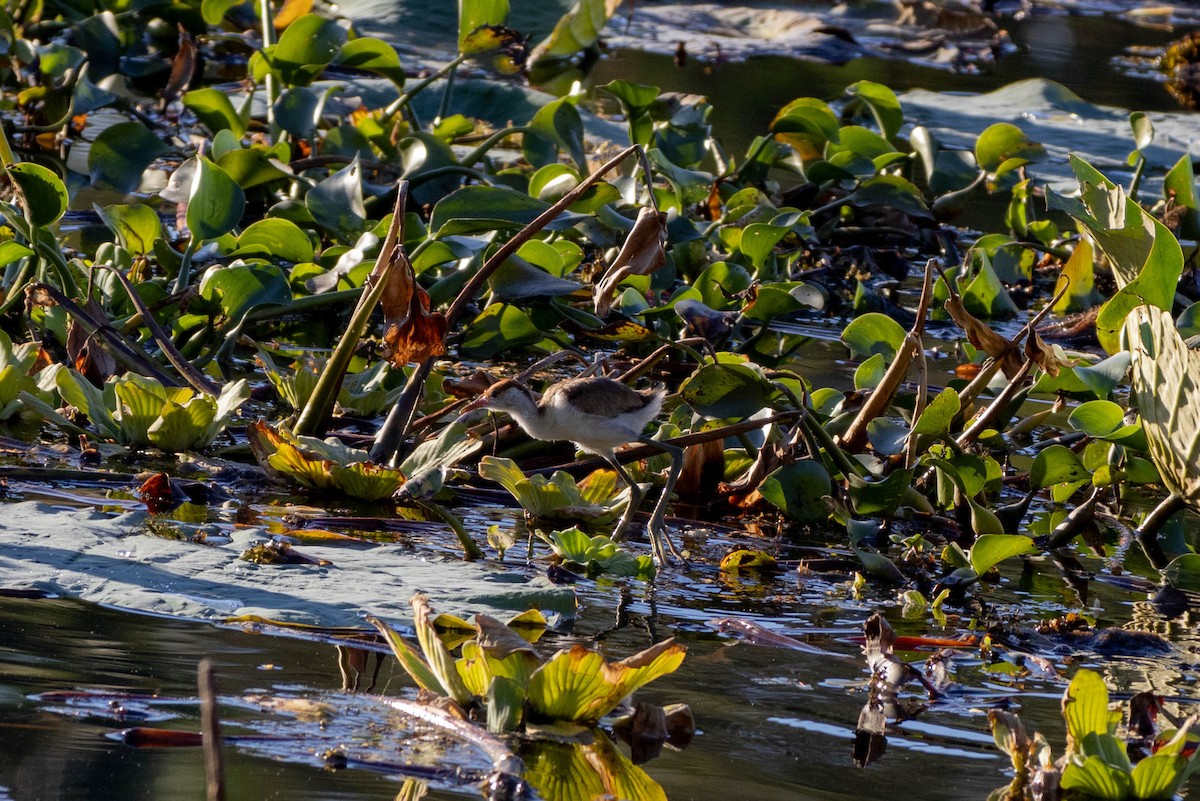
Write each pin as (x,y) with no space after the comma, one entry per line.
(240,287)
(807,125)
(216,202)
(579,685)
(1057,464)
(336,202)
(372,55)
(578,29)
(727,390)
(214,11)
(941,411)
(274,238)
(1095,779)
(42,192)
(137,227)
(215,110)
(891,191)
(992,549)
(881,102)
(800,490)
(556,125)
(121,153)
(1159,776)
(410,659)
(499,328)
(880,497)
(1003,147)
(480,209)
(873,333)
(1085,706)
(473,14)
(312,42)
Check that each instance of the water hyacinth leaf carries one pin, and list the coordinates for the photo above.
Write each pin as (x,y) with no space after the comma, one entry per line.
(298,110)
(1102,419)
(727,390)
(986,296)
(1003,147)
(43,194)
(337,201)
(274,238)
(216,202)
(759,241)
(1179,188)
(879,566)
(1104,376)
(935,420)
(799,490)
(498,328)
(887,435)
(215,111)
(990,550)
(807,124)
(254,166)
(214,11)
(121,153)
(474,14)
(310,42)
(240,287)
(480,209)
(578,29)
(557,125)
(1057,464)
(880,101)
(137,227)
(1079,281)
(880,497)
(579,685)
(517,279)
(505,704)
(868,374)
(893,192)
(598,554)
(873,333)
(440,661)
(372,55)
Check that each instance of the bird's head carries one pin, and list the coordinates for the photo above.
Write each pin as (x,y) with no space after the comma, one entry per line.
(503,396)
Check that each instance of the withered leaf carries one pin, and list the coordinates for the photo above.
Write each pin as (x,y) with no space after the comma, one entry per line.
(89,359)
(643,253)
(1043,355)
(983,337)
(182,69)
(420,336)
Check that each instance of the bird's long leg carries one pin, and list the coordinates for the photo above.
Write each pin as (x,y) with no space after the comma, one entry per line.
(635,496)
(658,527)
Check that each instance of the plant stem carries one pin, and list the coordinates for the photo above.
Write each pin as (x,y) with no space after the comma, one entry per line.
(404,99)
(185,267)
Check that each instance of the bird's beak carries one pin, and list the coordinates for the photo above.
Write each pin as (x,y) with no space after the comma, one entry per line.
(473,406)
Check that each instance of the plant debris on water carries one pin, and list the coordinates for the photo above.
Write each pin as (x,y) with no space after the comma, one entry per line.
(259,275)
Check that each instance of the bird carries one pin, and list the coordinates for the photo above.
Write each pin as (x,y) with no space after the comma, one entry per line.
(598,415)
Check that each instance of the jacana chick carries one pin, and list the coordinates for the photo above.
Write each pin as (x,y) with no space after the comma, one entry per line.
(598,415)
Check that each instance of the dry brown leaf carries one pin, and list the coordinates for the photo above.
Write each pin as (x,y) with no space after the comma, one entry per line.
(182,69)
(87,357)
(1043,355)
(643,253)
(983,337)
(419,336)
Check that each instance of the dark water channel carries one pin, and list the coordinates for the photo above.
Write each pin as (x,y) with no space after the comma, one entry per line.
(773,723)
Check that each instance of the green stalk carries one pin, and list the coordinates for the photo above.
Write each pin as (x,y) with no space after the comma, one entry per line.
(185,267)
(404,99)
(471,551)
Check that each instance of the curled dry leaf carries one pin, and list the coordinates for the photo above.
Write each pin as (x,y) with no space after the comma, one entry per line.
(983,337)
(1048,357)
(412,333)
(183,68)
(643,253)
(91,360)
